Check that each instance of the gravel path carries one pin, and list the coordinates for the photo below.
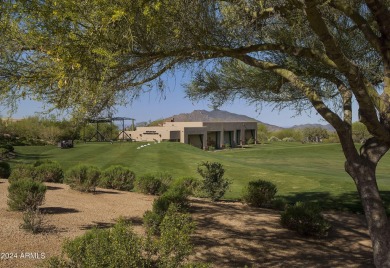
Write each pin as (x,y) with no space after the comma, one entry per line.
(227,234)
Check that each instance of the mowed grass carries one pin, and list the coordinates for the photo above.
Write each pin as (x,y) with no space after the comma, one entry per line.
(312,172)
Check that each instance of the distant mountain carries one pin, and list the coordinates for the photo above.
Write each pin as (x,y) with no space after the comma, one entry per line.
(217,115)
(211,116)
(224,116)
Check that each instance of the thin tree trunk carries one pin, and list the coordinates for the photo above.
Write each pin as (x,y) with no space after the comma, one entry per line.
(363,170)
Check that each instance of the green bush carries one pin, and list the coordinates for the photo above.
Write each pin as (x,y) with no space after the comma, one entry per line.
(258,192)
(191,184)
(154,184)
(174,245)
(175,195)
(8,147)
(32,220)
(25,194)
(83,178)
(250,141)
(117,177)
(214,184)
(21,171)
(5,170)
(48,172)
(115,247)
(120,246)
(306,219)
(278,203)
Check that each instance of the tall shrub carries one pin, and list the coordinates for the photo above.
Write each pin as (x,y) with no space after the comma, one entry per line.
(25,194)
(213,184)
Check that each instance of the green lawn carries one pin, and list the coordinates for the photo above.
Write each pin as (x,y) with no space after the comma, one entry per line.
(300,171)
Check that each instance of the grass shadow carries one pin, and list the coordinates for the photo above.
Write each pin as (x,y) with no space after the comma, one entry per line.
(348,201)
(29,157)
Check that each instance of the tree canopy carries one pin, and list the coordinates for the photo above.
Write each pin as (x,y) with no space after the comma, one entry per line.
(86,54)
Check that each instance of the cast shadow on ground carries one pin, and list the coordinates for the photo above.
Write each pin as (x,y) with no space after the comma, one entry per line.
(99,191)
(58,210)
(132,221)
(97,225)
(52,188)
(262,242)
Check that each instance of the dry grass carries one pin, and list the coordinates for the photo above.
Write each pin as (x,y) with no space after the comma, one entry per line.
(227,235)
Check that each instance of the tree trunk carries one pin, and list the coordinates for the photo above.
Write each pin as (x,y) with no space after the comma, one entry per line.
(363,170)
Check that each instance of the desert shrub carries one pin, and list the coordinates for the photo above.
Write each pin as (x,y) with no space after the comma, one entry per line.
(175,195)
(5,170)
(191,184)
(154,184)
(174,245)
(117,177)
(21,171)
(8,148)
(306,219)
(250,141)
(115,247)
(32,220)
(273,139)
(278,203)
(214,185)
(83,178)
(25,194)
(48,172)
(120,246)
(258,192)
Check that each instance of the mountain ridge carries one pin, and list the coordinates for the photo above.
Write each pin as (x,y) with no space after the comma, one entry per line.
(225,116)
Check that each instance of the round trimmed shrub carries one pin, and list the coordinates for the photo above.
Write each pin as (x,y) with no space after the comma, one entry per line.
(306,219)
(5,170)
(258,192)
(83,178)
(154,184)
(25,194)
(21,171)
(117,177)
(49,172)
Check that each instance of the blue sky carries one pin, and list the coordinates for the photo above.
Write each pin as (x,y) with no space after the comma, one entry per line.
(152,106)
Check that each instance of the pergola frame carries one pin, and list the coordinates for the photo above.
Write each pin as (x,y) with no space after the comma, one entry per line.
(100,137)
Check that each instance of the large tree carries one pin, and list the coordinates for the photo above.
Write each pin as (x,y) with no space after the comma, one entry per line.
(333,55)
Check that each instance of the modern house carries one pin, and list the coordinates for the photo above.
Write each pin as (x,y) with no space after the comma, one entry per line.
(198,134)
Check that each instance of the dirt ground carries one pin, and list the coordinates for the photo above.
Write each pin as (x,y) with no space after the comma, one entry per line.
(227,234)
